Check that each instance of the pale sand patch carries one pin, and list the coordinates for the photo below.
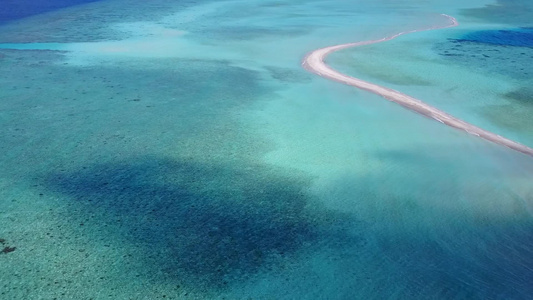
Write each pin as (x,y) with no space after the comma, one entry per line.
(314,62)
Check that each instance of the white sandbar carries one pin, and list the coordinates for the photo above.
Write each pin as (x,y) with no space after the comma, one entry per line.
(314,62)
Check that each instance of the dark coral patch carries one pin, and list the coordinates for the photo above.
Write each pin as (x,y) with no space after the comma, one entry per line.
(207,226)
(521,37)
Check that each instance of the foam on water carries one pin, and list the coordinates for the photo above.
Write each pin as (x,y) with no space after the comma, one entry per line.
(178,150)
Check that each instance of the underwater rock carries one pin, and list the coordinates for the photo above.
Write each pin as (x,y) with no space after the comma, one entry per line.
(8,249)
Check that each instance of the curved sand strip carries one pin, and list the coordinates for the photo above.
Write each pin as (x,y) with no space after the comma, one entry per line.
(314,62)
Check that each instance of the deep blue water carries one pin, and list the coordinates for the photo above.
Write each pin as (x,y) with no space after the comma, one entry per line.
(522,37)
(11,10)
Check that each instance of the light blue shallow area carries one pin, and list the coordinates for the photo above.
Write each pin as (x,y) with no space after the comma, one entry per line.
(178,150)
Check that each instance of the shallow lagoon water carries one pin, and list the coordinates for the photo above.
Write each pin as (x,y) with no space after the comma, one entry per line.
(178,150)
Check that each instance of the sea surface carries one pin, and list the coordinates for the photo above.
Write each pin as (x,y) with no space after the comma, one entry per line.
(178,150)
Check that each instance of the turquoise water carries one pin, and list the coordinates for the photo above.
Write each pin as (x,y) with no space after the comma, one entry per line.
(178,150)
